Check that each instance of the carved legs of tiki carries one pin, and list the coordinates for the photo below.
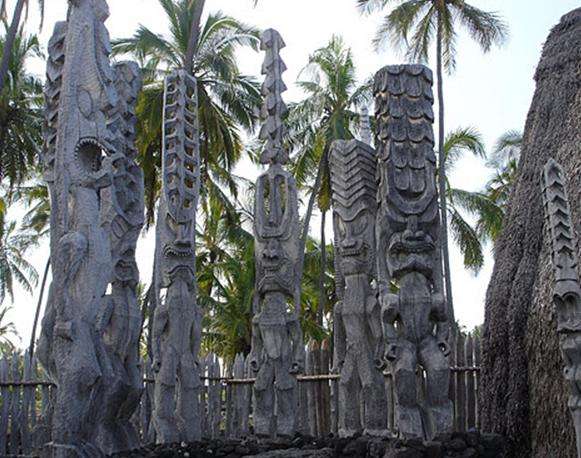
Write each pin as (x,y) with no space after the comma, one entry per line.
(435,413)
(176,399)
(361,385)
(275,399)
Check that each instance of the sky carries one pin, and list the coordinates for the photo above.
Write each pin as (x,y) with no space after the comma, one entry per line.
(491,92)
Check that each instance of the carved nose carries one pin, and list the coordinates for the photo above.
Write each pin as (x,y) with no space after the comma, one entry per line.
(349,243)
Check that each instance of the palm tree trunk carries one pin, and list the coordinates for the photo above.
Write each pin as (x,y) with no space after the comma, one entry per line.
(9,43)
(309,214)
(194,36)
(442,179)
(322,292)
(37,314)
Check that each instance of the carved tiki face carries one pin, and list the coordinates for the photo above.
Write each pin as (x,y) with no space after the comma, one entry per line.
(276,231)
(181,175)
(355,236)
(411,251)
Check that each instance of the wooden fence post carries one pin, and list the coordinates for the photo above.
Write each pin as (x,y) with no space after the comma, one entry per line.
(460,384)
(214,397)
(15,408)
(477,360)
(470,386)
(5,401)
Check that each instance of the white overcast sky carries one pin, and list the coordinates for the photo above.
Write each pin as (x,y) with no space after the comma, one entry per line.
(491,92)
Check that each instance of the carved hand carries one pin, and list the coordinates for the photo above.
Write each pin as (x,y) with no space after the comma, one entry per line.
(391,352)
(296,368)
(156,366)
(445,347)
(254,362)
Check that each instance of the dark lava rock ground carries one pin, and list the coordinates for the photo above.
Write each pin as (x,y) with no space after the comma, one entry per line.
(451,445)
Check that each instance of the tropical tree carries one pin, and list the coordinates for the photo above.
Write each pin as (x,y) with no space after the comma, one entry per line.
(504,160)
(13,32)
(20,114)
(413,25)
(14,268)
(7,332)
(228,100)
(327,113)
(468,236)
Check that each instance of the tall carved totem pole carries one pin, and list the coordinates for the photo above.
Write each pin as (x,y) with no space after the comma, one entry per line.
(567,291)
(89,338)
(358,339)
(177,324)
(277,342)
(415,321)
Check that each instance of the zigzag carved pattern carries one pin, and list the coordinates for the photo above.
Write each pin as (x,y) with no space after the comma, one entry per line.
(353,169)
(181,155)
(273,109)
(52,94)
(558,212)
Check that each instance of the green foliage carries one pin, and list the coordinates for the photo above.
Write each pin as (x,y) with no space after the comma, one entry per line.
(20,113)
(228,100)
(412,25)
(8,333)
(14,268)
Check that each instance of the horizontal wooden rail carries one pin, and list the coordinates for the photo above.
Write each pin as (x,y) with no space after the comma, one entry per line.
(238,381)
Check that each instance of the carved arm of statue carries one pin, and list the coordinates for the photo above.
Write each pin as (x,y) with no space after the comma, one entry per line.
(296,337)
(389,317)
(440,316)
(373,316)
(383,276)
(160,322)
(257,345)
(339,343)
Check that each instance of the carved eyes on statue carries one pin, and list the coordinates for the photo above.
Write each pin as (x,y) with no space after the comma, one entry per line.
(360,224)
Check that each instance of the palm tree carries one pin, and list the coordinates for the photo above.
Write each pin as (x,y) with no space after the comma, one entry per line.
(504,160)
(411,25)
(228,100)
(7,333)
(13,265)
(326,114)
(469,237)
(20,114)
(13,32)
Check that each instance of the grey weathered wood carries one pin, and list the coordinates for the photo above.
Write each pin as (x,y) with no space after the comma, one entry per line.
(325,388)
(303,413)
(477,361)
(229,424)
(15,408)
(391,417)
(4,405)
(214,397)
(26,406)
(470,384)
(453,380)
(311,391)
(238,402)
(460,384)
(204,423)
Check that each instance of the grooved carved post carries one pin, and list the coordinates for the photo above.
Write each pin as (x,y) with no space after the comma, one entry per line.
(177,323)
(357,316)
(89,338)
(409,266)
(277,342)
(567,290)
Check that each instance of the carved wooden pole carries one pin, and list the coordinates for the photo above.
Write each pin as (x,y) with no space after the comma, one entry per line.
(415,319)
(567,291)
(357,316)
(96,214)
(277,343)
(177,323)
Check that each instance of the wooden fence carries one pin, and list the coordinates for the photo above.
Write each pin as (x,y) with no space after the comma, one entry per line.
(26,398)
